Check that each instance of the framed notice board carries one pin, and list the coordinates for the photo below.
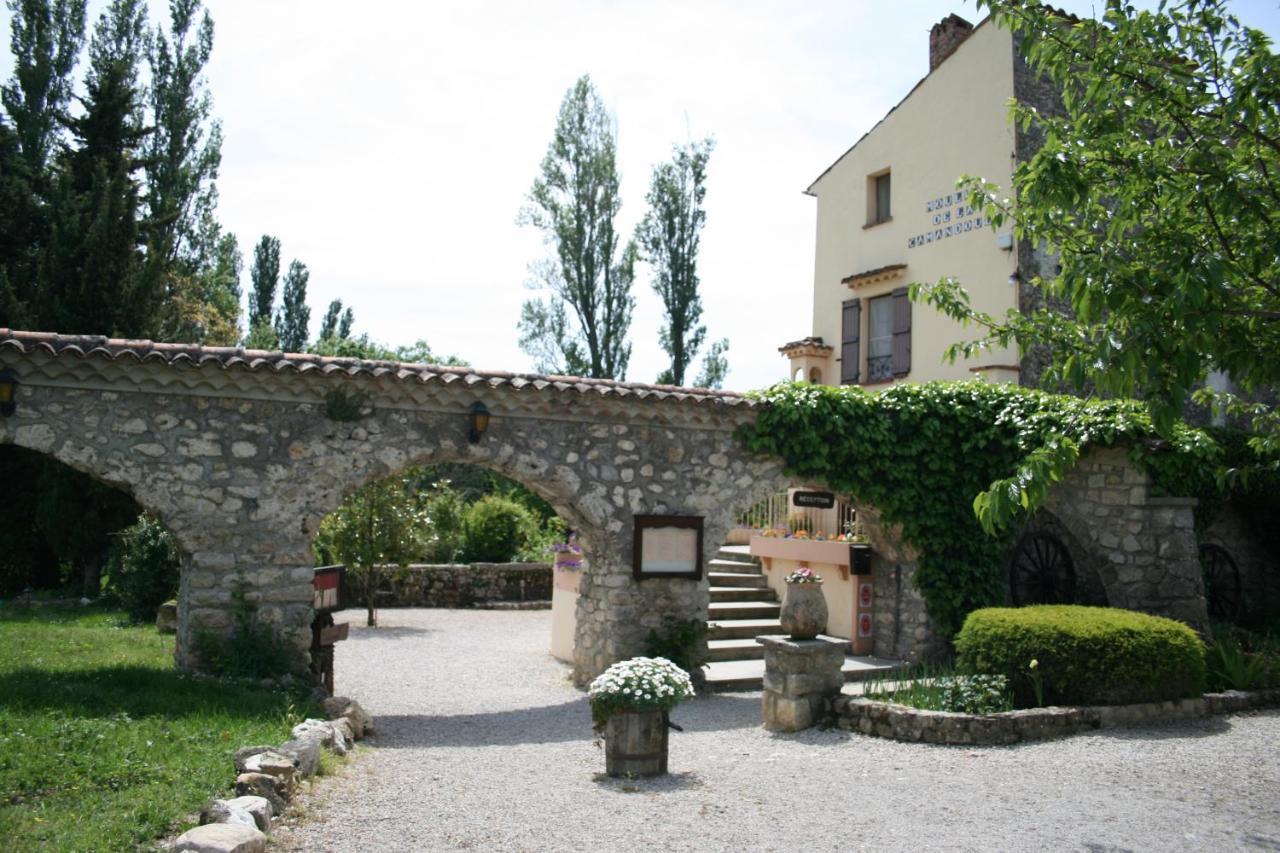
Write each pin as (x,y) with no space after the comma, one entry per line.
(667,546)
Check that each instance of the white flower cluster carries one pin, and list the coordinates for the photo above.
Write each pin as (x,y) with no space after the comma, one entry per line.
(643,681)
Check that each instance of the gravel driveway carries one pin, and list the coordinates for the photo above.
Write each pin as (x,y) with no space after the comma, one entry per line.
(484,744)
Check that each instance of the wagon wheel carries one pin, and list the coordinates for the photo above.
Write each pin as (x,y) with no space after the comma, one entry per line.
(1221,582)
(1041,571)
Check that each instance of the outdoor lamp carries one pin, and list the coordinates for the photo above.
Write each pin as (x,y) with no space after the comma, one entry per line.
(479,422)
(8,390)
(1015,278)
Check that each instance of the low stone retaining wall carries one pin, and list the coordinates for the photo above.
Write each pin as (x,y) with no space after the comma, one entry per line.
(900,722)
(465,585)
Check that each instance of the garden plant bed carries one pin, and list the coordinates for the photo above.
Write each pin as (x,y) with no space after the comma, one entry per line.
(901,722)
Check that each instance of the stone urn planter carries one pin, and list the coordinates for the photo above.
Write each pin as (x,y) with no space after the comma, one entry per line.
(804,608)
(635,743)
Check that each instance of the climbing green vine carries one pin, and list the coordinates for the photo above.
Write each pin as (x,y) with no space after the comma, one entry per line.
(957,464)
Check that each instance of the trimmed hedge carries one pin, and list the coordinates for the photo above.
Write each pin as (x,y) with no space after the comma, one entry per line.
(495,529)
(1084,655)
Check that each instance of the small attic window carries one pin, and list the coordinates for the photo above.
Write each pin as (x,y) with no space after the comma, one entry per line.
(878,199)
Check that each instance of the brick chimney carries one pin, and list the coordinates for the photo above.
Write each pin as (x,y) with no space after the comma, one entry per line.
(945,37)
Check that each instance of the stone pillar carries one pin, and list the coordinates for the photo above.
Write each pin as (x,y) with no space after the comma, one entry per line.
(799,676)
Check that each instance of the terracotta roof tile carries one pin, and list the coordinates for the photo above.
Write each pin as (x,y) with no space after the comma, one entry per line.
(227,358)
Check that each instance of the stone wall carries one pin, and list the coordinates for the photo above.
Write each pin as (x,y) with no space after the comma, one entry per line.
(236,453)
(1252,538)
(1144,548)
(901,722)
(464,585)
(1129,550)
(902,627)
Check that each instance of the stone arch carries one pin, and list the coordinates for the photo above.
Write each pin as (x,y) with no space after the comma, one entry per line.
(242,454)
(1089,587)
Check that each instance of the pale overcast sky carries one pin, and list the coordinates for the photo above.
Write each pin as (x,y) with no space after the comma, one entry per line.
(389,145)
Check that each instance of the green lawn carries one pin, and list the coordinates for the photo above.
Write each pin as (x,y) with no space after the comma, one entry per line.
(103,744)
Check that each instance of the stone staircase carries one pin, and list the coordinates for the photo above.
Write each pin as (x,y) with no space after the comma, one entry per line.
(743,607)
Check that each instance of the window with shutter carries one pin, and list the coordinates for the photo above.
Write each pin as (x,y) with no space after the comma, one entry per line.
(880,339)
(901,332)
(850,326)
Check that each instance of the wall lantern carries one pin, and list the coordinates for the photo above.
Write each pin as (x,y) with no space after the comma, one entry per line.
(8,391)
(1015,278)
(479,422)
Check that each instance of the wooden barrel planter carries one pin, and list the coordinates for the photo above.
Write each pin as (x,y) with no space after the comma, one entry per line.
(635,743)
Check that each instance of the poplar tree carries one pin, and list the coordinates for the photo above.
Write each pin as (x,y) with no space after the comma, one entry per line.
(295,316)
(581,328)
(329,325)
(264,278)
(45,38)
(669,236)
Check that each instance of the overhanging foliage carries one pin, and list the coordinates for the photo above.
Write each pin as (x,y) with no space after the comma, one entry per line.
(957,464)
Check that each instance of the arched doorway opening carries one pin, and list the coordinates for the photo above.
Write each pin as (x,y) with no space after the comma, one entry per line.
(66,535)
(448,536)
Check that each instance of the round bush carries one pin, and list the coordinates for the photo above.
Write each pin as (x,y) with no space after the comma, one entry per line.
(143,567)
(494,529)
(1084,655)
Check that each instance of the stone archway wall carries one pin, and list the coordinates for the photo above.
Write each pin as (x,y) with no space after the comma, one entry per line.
(1139,552)
(236,453)
(1144,547)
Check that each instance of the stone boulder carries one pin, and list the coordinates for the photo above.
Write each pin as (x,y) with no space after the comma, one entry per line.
(304,752)
(222,838)
(273,764)
(331,737)
(321,729)
(270,788)
(167,618)
(342,726)
(221,811)
(341,706)
(259,808)
(244,753)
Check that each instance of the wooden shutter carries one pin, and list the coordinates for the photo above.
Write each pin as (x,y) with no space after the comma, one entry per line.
(850,324)
(901,332)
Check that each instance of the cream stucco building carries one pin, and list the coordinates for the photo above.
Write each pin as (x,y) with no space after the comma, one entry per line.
(889,214)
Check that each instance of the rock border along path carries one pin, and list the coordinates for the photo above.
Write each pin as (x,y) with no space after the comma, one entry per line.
(483,743)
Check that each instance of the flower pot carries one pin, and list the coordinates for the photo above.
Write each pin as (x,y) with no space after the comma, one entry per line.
(635,743)
(804,611)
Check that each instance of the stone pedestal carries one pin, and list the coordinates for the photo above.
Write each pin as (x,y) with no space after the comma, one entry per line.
(799,676)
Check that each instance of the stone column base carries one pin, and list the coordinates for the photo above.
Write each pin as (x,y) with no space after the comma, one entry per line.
(799,676)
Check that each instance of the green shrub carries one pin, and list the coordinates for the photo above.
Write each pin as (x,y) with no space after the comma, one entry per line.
(681,642)
(442,536)
(143,568)
(1084,655)
(495,528)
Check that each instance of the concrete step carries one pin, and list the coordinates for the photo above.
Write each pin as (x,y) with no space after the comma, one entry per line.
(745,648)
(737,567)
(740,553)
(739,629)
(719,611)
(725,594)
(739,580)
(749,674)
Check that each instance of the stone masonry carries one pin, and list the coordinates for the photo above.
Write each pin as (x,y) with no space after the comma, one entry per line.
(1144,548)
(242,453)
(236,453)
(1129,550)
(800,678)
